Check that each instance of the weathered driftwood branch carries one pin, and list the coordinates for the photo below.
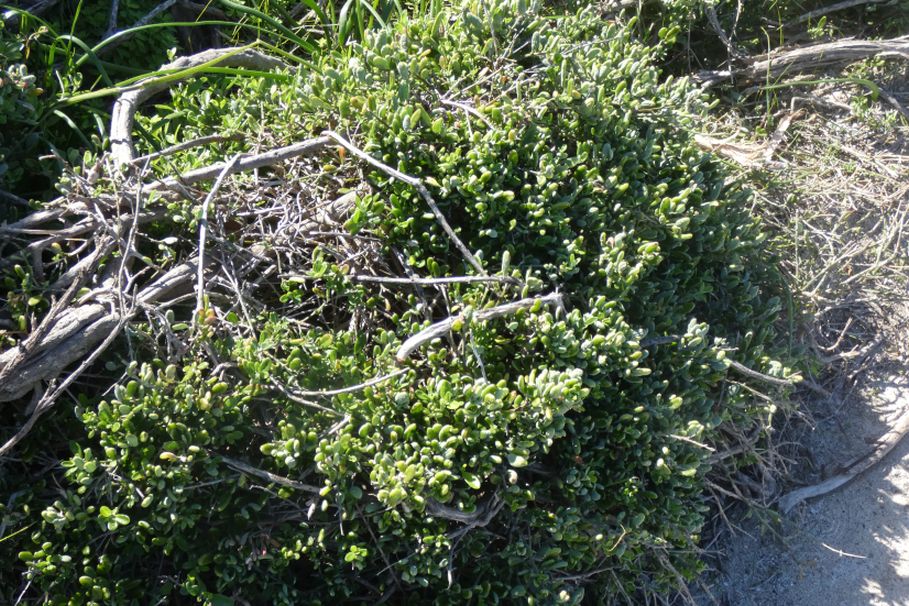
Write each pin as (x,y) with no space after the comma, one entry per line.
(442,327)
(53,392)
(121,123)
(72,334)
(832,8)
(807,59)
(886,443)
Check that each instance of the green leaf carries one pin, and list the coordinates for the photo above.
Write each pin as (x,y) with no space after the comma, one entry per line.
(517,461)
(472,480)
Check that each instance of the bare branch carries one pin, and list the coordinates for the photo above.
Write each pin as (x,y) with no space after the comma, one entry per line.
(269,158)
(442,327)
(836,6)
(814,58)
(416,184)
(268,476)
(167,151)
(121,123)
(353,388)
(483,515)
(203,228)
(51,396)
(433,281)
(885,444)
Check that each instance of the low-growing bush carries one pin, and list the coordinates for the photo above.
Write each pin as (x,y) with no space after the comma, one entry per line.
(547,455)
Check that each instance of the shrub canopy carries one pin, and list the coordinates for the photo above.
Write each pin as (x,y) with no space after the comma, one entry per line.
(548,454)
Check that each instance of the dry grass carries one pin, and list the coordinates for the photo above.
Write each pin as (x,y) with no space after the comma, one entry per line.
(835,197)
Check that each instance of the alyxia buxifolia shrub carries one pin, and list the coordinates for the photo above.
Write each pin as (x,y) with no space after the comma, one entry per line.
(543,457)
(18,112)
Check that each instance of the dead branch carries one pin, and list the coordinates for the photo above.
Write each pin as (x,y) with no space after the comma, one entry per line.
(51,396)
(885,444)
(753,374)
(268,476)
(121,123)
(269,158)
(835,7)
(442,327)
(809,59)
(483,515)
(36,8)
(198,142)
(353,388)
(72,334)
(416,184)
(10,198)
(203,229)
(433,281)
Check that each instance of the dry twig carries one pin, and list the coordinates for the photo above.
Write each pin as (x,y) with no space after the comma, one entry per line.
(444,326)
(416,184)
(885,444)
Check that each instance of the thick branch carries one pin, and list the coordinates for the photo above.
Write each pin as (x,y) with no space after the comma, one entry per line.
(73,334)
(121,123)
(808,59)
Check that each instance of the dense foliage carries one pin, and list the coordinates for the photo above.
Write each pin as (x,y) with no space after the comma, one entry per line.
(549,455)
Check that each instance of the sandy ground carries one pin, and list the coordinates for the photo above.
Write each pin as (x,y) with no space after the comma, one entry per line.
(847,548)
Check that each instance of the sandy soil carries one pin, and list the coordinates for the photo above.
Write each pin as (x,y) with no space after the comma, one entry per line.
(847,548)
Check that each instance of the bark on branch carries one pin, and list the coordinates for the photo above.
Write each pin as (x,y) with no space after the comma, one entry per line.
(121,123)
(438,329)
(808,59)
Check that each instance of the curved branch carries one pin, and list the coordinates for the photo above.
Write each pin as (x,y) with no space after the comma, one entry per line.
(121,122)
(72,334)
(440,328)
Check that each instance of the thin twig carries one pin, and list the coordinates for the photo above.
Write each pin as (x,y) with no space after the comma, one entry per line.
(416,184)
(434,281)
(470,110)
(688,440)
(300,400)
(440,328)
(481,517)
(144,20)
(198,142)
(353,388)
(267,475)
(203,229)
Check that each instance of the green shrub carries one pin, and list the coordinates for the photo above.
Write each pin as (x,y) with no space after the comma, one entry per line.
(572,433)
(19,98)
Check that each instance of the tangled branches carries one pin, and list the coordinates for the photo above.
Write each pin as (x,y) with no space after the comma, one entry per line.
(94,247)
